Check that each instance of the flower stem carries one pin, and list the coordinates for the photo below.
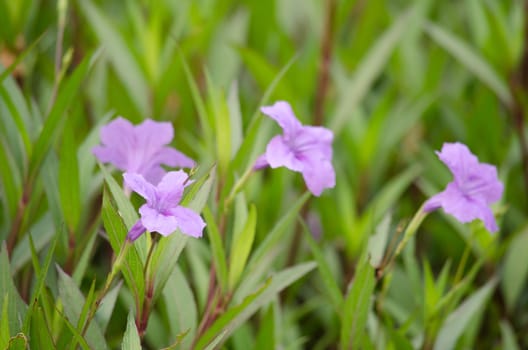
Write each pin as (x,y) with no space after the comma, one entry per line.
(238,187)
(410,231)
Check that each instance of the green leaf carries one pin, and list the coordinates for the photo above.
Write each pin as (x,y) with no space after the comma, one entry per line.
(41,274)
(470,60)
(368,70)
(116,230)
(73,302)
(106,308)
(207,127)
(127,211)
(181,306)
(508,336)
(329,281)
(131,340)
(16,309)
(40,336)
(357,305)
(69,188)
(11,185)
(123,61)
(222,124)
(4,324)
(515,269)
(377,243)
(18,342)
(264,72)
(54,122)
(235,316)
(456,323)
(42,232)
(266,332)
(264,255)
(241,248)
(217,249)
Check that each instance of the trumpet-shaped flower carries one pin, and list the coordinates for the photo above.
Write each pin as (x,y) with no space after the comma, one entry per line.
(305,149)
(140,149)
(162,212)
(474,188)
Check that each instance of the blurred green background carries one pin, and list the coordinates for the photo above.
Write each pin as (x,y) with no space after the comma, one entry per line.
(393,79)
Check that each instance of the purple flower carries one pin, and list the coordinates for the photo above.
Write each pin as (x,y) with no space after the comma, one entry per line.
(140,149)
(162,212)
(474,188)
(306,149)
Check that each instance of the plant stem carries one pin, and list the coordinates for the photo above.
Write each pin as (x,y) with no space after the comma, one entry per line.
(519,88)
(323,78)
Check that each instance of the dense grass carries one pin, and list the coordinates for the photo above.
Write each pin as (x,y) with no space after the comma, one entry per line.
(276,267)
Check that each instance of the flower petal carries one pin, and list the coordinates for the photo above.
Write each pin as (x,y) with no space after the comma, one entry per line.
(279,153)
(155,221)
(153,134)
(260,162)
(135,231)
(458,159)
(315,141)
(189,222)
(154,174)
(138,184)
(463,208)
(173,158)
(170,188)
(318,176)
(283,114)
(483,184)
(118,139)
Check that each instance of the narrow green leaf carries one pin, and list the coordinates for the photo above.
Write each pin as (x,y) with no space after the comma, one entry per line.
(4,323)
(217,249)
(456,323)
(241,247)
(53,124)
(248,150)
(11,186)
(106,309)
(73,302)
(515,269)
(123,61)
(222,123)
(369,69)
(40,336)
(127,211)
(470,60)
(508,337)
(117,232)
(16,308)
(224,326)
(69,188)
(329,281)
(42,232)
(357,305)
(207,128)
(131,340)
(377,243)
(84,261)
(181,305)
(263,256)
(235,118)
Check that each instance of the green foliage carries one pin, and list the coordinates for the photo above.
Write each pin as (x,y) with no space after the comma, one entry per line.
(276,267)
